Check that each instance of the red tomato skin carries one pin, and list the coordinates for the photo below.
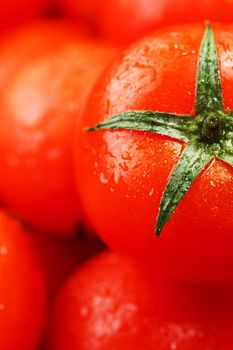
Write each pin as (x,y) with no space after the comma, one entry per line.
(123,21)
(22,289)
(47,73)
(109,303)
(124,173)
(14,12)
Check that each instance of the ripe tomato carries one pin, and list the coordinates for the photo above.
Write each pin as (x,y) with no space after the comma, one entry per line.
(22,289)
(123,21)
(125,172)
(47,72)
(59,256)
(110,304)
(13,12)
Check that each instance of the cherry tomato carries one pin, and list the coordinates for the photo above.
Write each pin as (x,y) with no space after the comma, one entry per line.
(123,21)
(125,172)
(59,256)
(22,289)
(110,304)
(47,72)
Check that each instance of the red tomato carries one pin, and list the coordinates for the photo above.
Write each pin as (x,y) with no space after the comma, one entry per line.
(123,21)
(13,12)
(46,74)
(110,304)
(59,256)
(125,172)
(22,289)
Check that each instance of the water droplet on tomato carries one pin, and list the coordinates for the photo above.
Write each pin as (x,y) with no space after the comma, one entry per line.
(103,178)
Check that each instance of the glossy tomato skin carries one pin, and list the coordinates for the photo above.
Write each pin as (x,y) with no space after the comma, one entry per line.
(124,173)
(47,72)
(124,21)
(22,289)
(109,303)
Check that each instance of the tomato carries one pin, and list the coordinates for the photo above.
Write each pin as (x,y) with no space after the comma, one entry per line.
(109,303)
(13,12)
(125,172)
(124,21)
(47,71)
(59,256)
(22,289)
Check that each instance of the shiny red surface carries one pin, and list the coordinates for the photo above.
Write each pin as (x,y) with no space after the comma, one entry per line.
(47,70)
(123,21)
(124,173)
(22,289)
(14,12)
(110,304)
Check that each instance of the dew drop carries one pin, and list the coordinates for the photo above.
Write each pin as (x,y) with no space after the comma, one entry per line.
(84,311)
(3,251)
(151,192)
(103,178)
(173,346)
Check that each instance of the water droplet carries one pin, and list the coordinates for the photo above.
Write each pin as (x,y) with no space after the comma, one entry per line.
(84,311)
(3,250)
(103,178)
(116,177)
(173,346)
(53,154)
(151,192)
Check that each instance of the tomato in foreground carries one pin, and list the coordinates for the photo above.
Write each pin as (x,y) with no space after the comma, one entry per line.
(157,157)
(124,21)
(47,71)
(110,304)
(22,289)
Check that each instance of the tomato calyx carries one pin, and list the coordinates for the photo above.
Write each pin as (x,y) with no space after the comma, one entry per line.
(211,129)
(207,135)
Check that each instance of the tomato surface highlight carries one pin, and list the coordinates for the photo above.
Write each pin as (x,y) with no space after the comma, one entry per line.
(47,71)
(123,21)
(125,172)
(109,303)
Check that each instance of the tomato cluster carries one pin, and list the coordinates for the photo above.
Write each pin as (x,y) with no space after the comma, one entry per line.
(122,153)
